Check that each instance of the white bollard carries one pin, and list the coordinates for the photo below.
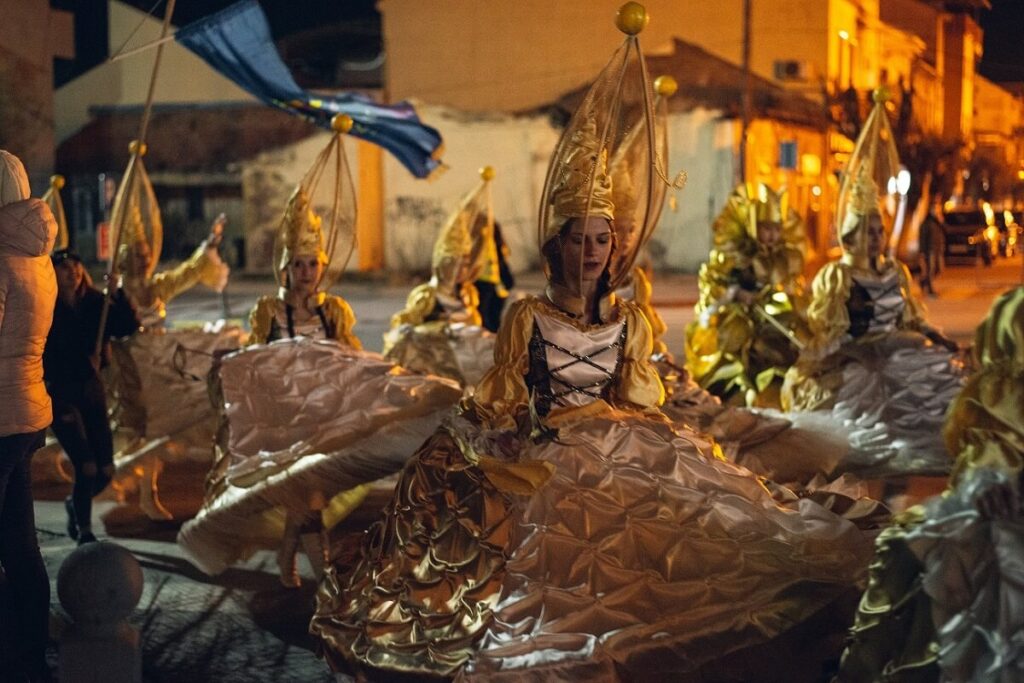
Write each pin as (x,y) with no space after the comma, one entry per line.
(99,584)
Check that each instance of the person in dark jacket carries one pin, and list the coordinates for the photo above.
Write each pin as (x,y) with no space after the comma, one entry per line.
(71,370)
(27,292)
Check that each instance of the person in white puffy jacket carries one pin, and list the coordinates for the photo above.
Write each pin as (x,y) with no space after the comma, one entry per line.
(28,289)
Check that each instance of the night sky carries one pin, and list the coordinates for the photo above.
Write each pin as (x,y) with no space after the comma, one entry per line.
(1004,41)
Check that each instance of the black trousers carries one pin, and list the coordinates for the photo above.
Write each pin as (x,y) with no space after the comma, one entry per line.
(81,425)
(27,607)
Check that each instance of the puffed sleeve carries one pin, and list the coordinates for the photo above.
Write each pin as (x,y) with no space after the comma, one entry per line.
(502,392)
(260,318)
(471,300)
(642,291)
(418,306)
(639,383)
(914,312)
(827,315)
(714,279)
(341,319)
(204,266)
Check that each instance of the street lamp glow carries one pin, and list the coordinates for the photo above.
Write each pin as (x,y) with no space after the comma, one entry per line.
(844,35)
(903,181)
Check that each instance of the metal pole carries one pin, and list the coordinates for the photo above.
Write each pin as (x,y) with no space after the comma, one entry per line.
(746,91)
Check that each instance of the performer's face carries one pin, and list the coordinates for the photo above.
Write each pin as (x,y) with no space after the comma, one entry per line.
(876,237)
(586,249)
(769,233)
(304,273)
(140,258)
(69,277)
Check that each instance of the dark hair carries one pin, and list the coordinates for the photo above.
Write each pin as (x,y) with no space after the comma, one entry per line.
(61,255)
(552,253)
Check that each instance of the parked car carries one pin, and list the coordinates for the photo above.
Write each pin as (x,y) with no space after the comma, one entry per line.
(968,236)
(1009,233)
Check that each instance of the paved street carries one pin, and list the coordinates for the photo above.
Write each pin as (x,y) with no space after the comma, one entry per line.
(242,625)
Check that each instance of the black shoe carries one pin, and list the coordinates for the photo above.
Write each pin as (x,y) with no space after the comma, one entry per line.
(86,537)
(69,507)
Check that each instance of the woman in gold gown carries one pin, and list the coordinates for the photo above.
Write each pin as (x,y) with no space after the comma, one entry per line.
(558,527)
(308,419)
(874,364)
(749,321)
(440,330)
(159,411)
(945,598)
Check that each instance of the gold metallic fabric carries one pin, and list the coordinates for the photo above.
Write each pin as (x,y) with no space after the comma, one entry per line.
(944,597)
(152,293)
(159,388)
(457,351)
(502,392)
(867,179)
(304,421)
(339,315)
(731,349)
(422,303)
(828,315)
(630,548)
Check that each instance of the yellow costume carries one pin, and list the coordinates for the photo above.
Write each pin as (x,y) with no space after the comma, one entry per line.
(872,361)
(308,419)
(273,318)
(558,527)
(733,349)
(945,590)
(160,412)
(439,330)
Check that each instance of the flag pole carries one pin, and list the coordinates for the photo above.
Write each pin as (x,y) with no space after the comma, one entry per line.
(138,149)
(141,48)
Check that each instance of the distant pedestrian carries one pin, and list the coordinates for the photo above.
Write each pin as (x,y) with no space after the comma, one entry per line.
(27,293)
(72,373)
(930,247)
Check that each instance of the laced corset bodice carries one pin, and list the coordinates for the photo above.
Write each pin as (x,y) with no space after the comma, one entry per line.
(570,366)
(876,303)
(286,327)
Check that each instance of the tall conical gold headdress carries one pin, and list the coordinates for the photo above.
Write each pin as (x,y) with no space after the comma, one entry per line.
(135,219)
(873,164)
(53,200)
(468,237)
(320,217)
(605,163)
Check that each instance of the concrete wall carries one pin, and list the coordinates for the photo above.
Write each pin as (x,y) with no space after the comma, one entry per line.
(517,147)
(998,115)
(183,77)
(412,211)
(507,56)
(31,35)
(705,147)
(924,21)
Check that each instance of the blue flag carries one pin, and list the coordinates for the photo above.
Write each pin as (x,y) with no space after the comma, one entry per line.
(236,42)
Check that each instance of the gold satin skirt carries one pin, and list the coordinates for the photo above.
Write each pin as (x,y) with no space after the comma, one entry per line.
(642,553)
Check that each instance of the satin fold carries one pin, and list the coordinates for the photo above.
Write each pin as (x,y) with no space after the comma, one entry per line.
(305,421)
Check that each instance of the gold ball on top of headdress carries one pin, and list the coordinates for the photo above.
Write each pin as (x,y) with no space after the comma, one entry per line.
(631,18)
(341,123)
(666,86)
(881,95)
(487,173)
(137,147)
(57,181)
